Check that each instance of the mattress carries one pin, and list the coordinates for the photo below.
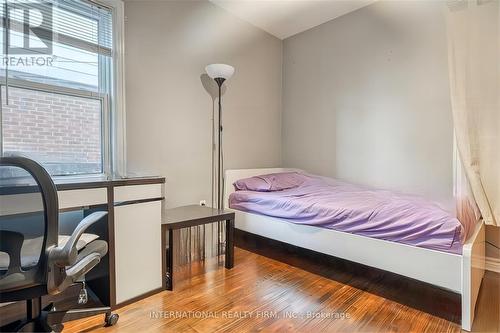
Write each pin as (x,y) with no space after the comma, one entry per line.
(376,213)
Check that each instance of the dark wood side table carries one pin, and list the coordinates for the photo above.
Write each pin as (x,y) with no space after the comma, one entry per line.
(190,216)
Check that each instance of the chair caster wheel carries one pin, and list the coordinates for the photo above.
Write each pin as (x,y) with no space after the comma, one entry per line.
(111,318)
(57,328)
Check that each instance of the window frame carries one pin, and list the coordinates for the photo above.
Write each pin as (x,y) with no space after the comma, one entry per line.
(114,123)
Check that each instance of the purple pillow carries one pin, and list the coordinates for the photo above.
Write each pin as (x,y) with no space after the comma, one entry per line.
(270,182)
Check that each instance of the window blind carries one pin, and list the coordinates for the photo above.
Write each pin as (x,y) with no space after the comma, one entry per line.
(80,33)
(80,24)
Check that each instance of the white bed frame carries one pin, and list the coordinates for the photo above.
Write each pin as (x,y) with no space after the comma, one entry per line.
(460,273)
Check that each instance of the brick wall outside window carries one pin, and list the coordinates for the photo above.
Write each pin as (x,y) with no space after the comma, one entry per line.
(60,131)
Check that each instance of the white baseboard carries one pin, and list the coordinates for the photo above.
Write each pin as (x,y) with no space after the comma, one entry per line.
(493,264)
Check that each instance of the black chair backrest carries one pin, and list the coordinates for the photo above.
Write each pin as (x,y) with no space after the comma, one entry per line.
(28,228)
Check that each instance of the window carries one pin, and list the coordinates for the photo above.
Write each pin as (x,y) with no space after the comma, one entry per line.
(57,84)
(64,132)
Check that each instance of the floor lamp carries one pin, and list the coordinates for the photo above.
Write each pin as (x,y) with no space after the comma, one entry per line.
(219,73)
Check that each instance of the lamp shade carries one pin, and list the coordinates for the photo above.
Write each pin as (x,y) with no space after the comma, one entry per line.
(216,71)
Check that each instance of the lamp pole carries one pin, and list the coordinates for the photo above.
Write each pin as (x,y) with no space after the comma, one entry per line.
(219,73)
(219,81)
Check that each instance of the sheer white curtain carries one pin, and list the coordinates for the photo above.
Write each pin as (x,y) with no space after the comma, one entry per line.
(474,56)
(466,208)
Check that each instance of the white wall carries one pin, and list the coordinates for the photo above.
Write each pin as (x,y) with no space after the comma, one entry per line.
(168,45)
(366,99)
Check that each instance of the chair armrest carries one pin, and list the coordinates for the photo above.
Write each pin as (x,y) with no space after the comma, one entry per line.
(66,256)
(83,266)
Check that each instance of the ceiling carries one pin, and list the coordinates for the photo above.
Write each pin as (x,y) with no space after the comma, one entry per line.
(285,18)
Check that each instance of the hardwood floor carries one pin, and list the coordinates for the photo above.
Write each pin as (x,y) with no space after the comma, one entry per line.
(262,294)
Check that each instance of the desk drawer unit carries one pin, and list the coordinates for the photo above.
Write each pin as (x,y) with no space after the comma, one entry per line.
(137,192)
(82,198)
(137,240)
(31,202)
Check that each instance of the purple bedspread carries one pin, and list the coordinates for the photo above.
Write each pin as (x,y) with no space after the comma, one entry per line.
(337,205)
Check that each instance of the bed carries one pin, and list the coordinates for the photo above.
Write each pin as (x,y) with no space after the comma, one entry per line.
(459,271)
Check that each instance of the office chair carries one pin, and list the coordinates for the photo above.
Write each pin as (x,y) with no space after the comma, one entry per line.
(33,262)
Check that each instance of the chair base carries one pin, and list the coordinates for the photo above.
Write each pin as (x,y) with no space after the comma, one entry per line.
(49,319)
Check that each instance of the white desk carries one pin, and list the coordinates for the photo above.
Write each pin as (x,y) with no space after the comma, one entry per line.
(134,208)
